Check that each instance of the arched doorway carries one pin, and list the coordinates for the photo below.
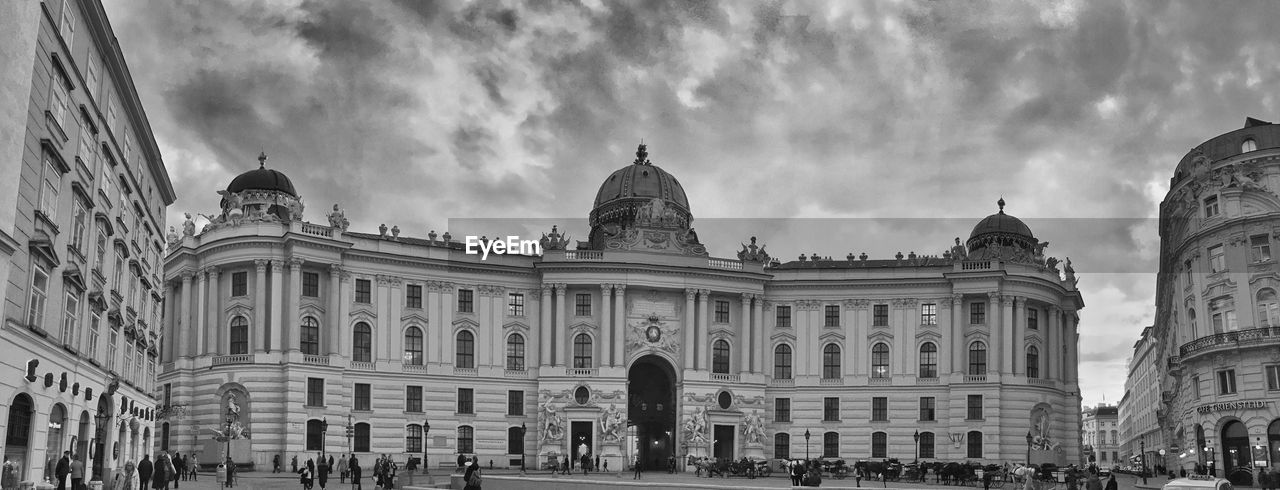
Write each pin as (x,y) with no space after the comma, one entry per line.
(651,395)
(1235,453)
(17,439)
(53,440)
(1273,442)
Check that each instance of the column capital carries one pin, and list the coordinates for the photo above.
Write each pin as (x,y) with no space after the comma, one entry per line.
(690,294)
(561,287)
(295,263)
(201,276)
(261,264)
(605,289)
(187,275)
(1055,310)
(706,294)
(335,269)
(746,297)
(993,296)
(945,302)
(212,271)
(547,288)
(619,288)
(957,298)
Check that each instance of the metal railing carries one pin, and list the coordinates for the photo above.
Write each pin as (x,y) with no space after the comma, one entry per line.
(975,378)
(782,382)
(580,372)
(583,255)
(1265,335)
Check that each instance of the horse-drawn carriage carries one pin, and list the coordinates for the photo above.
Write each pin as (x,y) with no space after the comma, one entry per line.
(749,468)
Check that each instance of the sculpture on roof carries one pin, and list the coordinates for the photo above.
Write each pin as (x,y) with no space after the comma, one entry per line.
(188,226)
(958,251)
(752,253)
(1071,272)
(338,219)
(172,238)
(553,240)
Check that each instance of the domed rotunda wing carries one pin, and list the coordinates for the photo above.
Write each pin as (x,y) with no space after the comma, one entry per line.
(642,207)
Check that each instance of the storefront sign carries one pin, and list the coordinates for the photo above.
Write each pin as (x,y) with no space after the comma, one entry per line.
(1240,405)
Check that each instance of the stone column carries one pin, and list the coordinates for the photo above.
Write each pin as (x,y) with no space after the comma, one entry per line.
(436,326)
(544,326)
(957,333)
(1020,336)
(260,306)
(343,328)
(449,307)
(182,325)
(277,305)
(744,341)
(620,315)
(1073,351)
(606,326)
(215,325)
(704,322)
(994,329)
(328,334)
(1053,350)
(559,343)
(758,354)
(293,313)
(201,298)
(690,328)
(946,318)
(1006,333)
(382,328)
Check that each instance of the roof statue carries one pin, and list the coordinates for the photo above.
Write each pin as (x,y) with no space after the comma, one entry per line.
(752,253)
(554,240)
(338,219)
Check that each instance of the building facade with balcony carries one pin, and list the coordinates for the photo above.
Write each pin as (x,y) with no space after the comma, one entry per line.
(85,193)
(1101,434)
(422,347)
(1139,417)
(1217,313)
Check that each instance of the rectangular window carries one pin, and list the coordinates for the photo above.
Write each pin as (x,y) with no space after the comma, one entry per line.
(975,408)
(239,283)
(781,409)
(413,296)
(929,314)
(80,224)
(784,317)
(880,315)
(1273,377)
(112,342)
(582,304)
(67,27)
(832,316)
(39,294)
(364,291)
(49,191)
(515,304)
(311,284)
(101,253)
(977,313)
(928,409)
(831,409)
(1033,319)
(466,302)
(831,445)
(70,319)
(782,445)
(1190,272)
(515,403)
(128,361)
(880,409)
(413,398)
(1210,206)
(315,392)
(1195,386)
(95,323)
(1260,248)
(722,312)
(1217,259)
(1227,382)
(466,401)
(926,445)
(362,401)
(59,101)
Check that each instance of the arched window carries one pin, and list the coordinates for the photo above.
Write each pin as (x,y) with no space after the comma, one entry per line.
(977,358)
(782,362)
(720,357)
(466,439)
(1268,308)
(880,361)
(362,438)
(515,442)
(1248,145)
(831,445)
(782,445)
(465,357)
(975,445)
(239,335)
(926,445)
(413,346)
(831,362)
(515,352)
(879,445)
(413,438)
(57,418)
(1033,362)
(582,351)
(928,360)
(310,337)
(315,435)
(362,344)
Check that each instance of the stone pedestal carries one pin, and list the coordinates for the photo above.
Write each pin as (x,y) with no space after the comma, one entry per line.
(753,451)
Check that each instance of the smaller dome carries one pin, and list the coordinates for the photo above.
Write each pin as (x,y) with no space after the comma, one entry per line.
(262,179)
(1001,228)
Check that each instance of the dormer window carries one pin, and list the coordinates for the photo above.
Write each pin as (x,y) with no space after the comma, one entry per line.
(1248,145)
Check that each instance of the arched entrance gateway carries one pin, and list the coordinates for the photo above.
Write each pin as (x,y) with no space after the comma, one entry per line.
(1235,453)
(651,409)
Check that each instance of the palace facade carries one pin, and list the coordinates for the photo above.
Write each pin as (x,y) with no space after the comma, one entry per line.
(632,344)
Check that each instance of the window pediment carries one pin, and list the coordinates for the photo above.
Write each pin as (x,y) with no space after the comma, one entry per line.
(511,327)
(465,323)
(783,336)
(880,337)
(928,335)
(415,319)
(836,336)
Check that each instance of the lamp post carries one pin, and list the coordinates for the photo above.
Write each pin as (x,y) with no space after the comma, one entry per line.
(426,469)
(100,421)
(324,433)
(806,444)
(523,429)
(230,420)
(1029,438)
(1143,445)
(916,437)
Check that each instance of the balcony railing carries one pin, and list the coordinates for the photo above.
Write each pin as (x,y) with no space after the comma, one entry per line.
(975,378)
(583,255)
(465,371)
(314,359)
(516,373)
(831,381)
(361,365)
(733,265)
(1041,382)
(233,359)
(782,382)
(727,378)
(880,381)
(580,372)
(1255,336)
(926,381)
(977,265)
(317,230)
(413,368)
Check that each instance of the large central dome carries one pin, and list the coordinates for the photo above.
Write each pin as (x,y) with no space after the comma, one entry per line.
(636,185)
(642,196)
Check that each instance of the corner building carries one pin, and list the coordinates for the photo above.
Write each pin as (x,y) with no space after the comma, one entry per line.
(83,193)
(305,322)
(1217,313)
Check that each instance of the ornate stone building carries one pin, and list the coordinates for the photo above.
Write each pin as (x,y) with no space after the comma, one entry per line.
(306,323)
(1217,314)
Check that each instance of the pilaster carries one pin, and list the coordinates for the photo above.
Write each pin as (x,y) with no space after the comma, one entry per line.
(744,335)
(690,328)
(606,325)
(260,306)
(704,322)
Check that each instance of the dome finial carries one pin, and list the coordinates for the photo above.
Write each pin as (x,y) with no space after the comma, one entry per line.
(1001,204)
(642,154)
(262,160)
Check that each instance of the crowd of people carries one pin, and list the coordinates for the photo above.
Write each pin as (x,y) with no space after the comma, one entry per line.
(166,469)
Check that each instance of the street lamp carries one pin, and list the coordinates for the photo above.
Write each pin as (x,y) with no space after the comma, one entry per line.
(806,444)
(426,469)
(230,420)
(523,429)
(1029,448)
(100,421)
(324,435)
(1144,461)
(916,436)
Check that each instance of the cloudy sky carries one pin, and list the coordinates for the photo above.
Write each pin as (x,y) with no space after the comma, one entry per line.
(874,116)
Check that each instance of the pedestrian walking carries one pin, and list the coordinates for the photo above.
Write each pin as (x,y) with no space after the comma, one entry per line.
(472,476)
(144,471)
(355,472)
(322,472)
(163,472)
(597,464)
(305,478)
(127,480)
(1111,483)
(63,469)
(275,464)
(637,468)
(179,464)
(77,472)
(195,467)
(342,469)
(330,462)
(294,463)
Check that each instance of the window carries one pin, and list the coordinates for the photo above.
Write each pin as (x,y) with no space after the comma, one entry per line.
(413,346)
(315,392)
(239,335)
(1033,319)
(315,435)
(413,296)
(1273,377)
(515,402)
(1224,321)
(67,28)
(975,445)
(515,441)
(880,360)
(118,273)
(928,360)
(831,362)
(782,445)
(880,315)
(39,293)
(310,336)
(1033,362)
(831,409)
(582,304)
(832,316)
(782,362)
(720,357)
(466,401)
(128,361)
(1268,308)
(465,357)
(975,408)
(112,340)
(413,438)
(101,253)
(362,343)
(466,301)
(926,445)
(722,312)
(362,437)
(364,291)
(1190,272)
(515,352)
(879,445)
(1247,146)
(80,224)
(1195,386)
(928,409)
(515,304)
(781,409)
(311,284)
(70,319)
(1217,260)
(784,317)
(239,283)
(466,439)
(977,359)
(413,398)
(831,445)
(582,351)
(1210,206)
(929,314)
(1259,248)
(1227,382)
(977,313)
(880,409)
(59,101)
(95,322)
(362,401)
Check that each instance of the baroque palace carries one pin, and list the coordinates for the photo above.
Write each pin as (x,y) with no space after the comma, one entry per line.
(1217,312)
(633,344)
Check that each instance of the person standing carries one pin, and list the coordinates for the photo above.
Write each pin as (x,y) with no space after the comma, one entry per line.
(1111,483)
(160,472)
(322,472)
(180,469)
(462,460)
(986,480)
(294,462)
(586,461)
(128,480)
(63,469)
(597,464)
(275,464)
(330,462)
(77,472)
(355,472)
(144,471)
(305,478)
(636,465)
(342,469)
(472,476)
(195,467)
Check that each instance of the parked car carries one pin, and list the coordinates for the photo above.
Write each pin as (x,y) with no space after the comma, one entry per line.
(1198,482)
